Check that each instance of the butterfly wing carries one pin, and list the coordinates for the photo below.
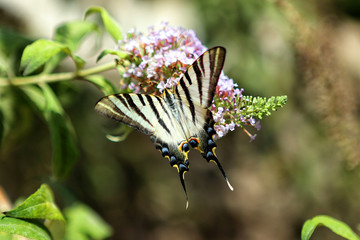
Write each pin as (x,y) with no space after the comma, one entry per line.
(147,113)
(178,119)
(130,109)
(199,82)
(196,91)
(153,116)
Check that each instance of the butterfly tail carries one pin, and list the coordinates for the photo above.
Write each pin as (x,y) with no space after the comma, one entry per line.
(210,156)
(177,158)
(182,170)
(207,148)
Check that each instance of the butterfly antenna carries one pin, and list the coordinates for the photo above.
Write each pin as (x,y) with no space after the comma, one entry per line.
(182,170)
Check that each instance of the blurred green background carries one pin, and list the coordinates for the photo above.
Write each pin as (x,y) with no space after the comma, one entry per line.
(304,161)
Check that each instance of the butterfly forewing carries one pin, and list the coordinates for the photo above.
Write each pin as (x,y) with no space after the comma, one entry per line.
(197,87)
(200,80)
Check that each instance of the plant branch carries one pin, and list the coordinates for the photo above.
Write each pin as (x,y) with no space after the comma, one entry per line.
(55,77)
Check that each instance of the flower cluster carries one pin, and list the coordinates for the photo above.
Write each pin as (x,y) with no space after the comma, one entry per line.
(158,59)
(227,108)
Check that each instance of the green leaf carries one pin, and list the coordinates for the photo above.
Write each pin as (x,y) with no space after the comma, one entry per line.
(62,134)
(118,53)
(64,146)
(79,62)
(71,33)
(61,130)
(8,115)
(27,228)
(2,128)
(102,83)
(11,42)
(36,95)
(39,205)
(38,53)
(12,45)
(119,134)
(53,62)
(338,227)
(4,235)
(84,223)
(110,24)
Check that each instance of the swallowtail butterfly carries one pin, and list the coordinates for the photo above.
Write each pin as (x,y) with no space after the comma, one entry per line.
(178,119)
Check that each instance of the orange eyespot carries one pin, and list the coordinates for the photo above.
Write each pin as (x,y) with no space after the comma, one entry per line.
(184,147)
(194,142)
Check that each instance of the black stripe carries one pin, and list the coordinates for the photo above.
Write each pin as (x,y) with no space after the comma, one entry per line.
(216,59)
(122,100)
(121,116)
(161,122)
(164,109)
(188,77)
(135,108)
(141,99)
(173,103)
(201,62)
(188,98)
(169,100)
(179,99)
(212,61)
(107,101)
(199,77)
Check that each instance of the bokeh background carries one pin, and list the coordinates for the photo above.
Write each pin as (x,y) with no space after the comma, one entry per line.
(304,161)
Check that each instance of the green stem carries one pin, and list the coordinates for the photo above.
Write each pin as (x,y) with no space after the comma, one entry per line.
(56,77)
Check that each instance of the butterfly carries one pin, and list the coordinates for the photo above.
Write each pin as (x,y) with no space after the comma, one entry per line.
(178,119)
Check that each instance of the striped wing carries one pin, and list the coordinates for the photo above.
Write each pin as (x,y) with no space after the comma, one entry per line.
(154,116)
(199,82)
(146,113)
(178,119)
(195,92)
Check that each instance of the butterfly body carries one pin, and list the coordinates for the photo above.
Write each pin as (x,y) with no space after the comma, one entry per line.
(178,119)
